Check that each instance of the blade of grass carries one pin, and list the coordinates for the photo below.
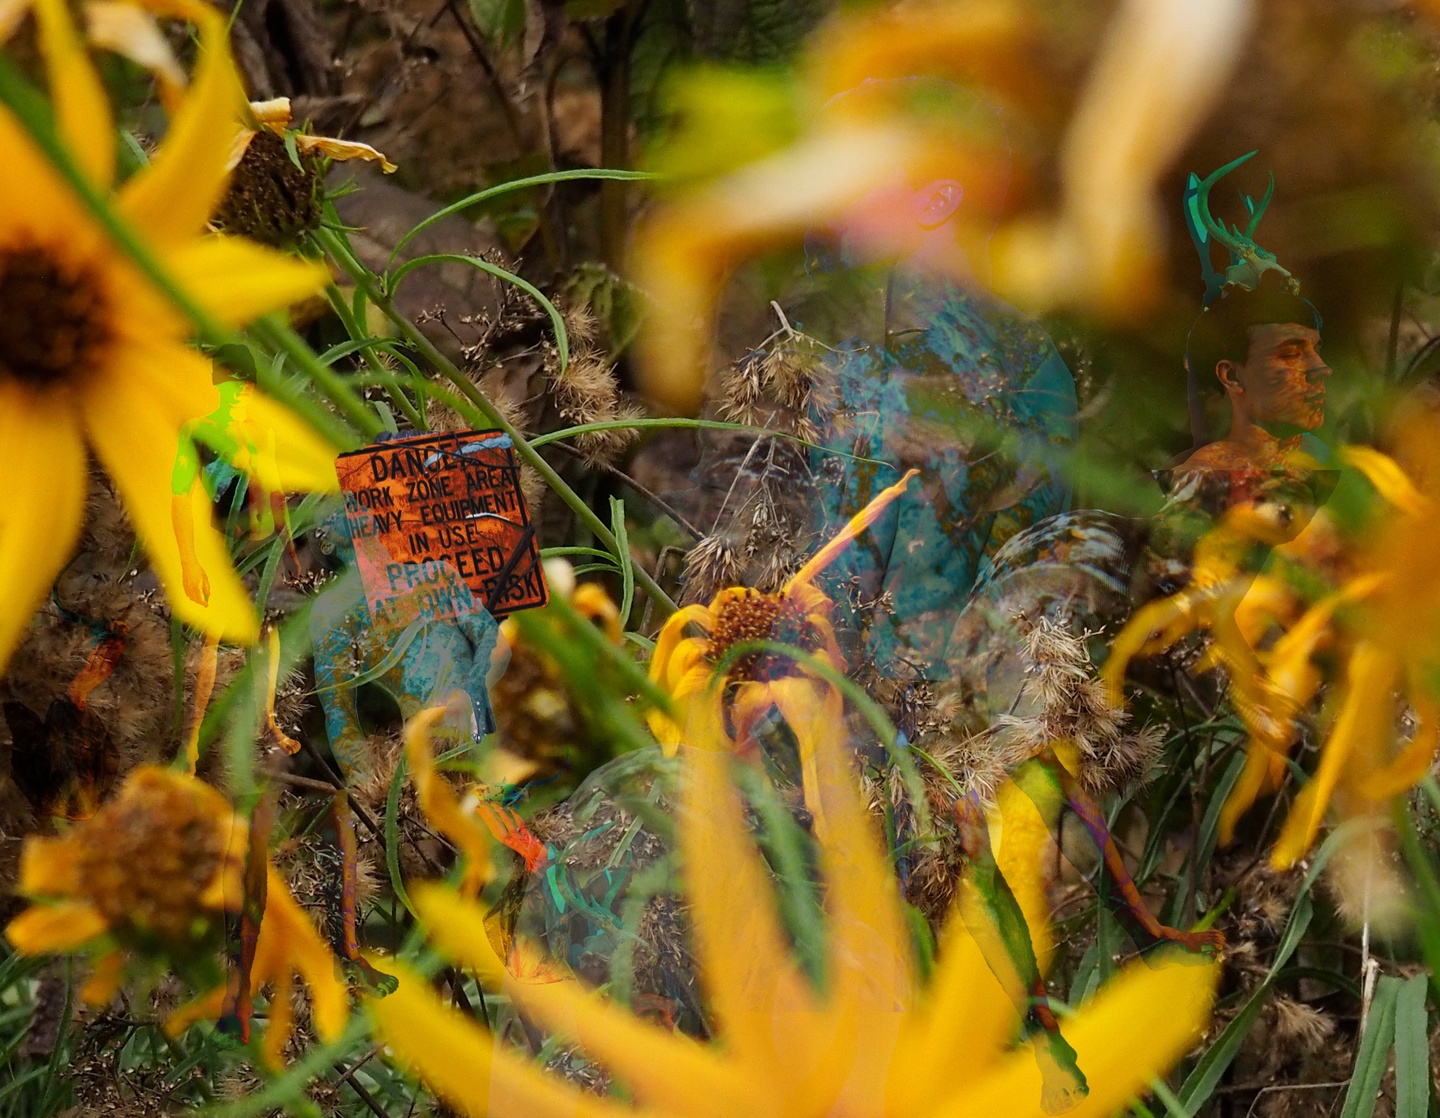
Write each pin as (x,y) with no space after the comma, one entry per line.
(1412,1051)
(1374,1052)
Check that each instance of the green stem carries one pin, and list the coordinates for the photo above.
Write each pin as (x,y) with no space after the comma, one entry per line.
(373,362)
(336,246)
(284,340)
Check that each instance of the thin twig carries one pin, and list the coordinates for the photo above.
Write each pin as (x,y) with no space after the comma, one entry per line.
(654,498)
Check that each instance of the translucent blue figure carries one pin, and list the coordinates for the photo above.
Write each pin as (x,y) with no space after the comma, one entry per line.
(977,397)
(400,644)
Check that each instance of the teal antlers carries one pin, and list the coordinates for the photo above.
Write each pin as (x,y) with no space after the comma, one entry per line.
(1248,261)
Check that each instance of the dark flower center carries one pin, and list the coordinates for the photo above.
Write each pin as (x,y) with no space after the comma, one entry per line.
(54,324)
(762,617)
(148,857)
(270,199)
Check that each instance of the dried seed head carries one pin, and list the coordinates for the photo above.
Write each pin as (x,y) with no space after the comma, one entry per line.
(152,858)
(271,199)
(712,564)
(1294,1020)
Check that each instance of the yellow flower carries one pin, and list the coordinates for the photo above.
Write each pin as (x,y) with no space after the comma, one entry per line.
(872,1042)
(92,354)
(1380,623)
(154,873)
(759,681)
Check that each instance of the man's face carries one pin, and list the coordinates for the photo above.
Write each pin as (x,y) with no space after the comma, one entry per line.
(1284,377)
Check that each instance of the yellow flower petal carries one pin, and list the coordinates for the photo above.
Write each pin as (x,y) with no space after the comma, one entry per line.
(173,197)
(104,981)
(1389,480)
(685,250)
(207,1007)
(235,280)
(289,455)
(55,928)
(856,524)
(465,1065)
(1358,729)
(1255,777)
(1117,1070)
(50,867)
(130,31)
(343,150)
(870,959)
(289,941)
(663,1068)
(1021,839)
(440,804)
(965,1024)
(672,633)
(44,504)
(748,974)
(137,444)
(82,111)
(177,380)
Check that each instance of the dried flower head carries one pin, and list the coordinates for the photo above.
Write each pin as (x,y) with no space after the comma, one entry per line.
(154,874)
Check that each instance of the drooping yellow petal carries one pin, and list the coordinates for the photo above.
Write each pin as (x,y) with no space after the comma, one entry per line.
(1409,767)
(236,280)
(44,929)
(685,249)
(280,1020)
(1133,1030)
(440,804)
(672,633)
(138,452)
(173,197)
(747,972)
(1358,728)
(1161,68)
(856,524)
(465,1065)
(1389,480)
(82,111)
(207,1007)
(964,1025)
(44,504)
(1155,623)
(1257,775)
(290,942)
(1022,840)
(343,150)
(870,956)
(667,1070)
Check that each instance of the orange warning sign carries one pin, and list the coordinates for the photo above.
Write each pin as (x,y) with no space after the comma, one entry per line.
(439,522)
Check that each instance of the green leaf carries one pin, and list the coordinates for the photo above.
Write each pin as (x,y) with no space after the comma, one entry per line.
(1374,1051)
(1412,1051)
(627,562)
